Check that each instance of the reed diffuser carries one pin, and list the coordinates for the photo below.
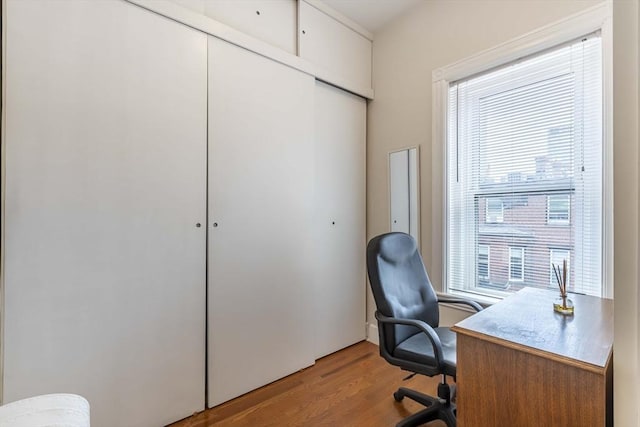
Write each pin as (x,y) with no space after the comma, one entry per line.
(563,304)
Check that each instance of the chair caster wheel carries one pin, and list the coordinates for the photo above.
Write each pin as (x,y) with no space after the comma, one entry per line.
(398,397)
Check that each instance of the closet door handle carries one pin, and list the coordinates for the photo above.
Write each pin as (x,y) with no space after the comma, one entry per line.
(215,224)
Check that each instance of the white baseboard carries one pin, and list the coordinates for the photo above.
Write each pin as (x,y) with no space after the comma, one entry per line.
(372,334)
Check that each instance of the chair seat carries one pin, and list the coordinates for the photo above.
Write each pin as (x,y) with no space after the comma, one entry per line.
(418,348)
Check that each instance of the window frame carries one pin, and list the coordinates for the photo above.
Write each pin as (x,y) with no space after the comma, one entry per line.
(522,255)
(499,218)
(488,247)
(555,221)
(587,21)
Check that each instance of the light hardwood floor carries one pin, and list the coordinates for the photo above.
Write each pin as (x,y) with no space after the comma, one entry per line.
(352,387)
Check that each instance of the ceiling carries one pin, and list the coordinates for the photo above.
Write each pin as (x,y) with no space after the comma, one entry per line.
(372,14)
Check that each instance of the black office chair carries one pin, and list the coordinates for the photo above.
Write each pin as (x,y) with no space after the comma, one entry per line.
(408,318)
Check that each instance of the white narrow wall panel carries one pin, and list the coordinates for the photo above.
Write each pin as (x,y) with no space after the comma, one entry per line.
(414,194)
(339,280)
(399,191)
(105,181)
(273,21)
(260,240)
(333,47)
(404,192)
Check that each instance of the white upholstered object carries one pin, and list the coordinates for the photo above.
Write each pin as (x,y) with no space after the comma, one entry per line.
(49,410)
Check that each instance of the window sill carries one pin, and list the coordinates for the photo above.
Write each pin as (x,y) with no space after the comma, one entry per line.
(484,300)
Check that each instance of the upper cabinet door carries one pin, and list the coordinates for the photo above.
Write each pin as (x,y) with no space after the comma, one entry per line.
(260,209)
(342,55)
(106,110)
(272,21)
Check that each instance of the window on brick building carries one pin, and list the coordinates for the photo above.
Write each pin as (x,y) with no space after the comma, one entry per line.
(524,172)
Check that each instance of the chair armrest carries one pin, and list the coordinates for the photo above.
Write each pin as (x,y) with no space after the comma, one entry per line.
(423,327)
(451,300)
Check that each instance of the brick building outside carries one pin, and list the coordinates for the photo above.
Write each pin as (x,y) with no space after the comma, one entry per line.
(519,235)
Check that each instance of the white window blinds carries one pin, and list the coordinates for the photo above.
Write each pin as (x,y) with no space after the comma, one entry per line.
(524,173)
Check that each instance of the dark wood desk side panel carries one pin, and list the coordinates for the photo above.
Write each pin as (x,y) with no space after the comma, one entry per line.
(609,391)
(500,386)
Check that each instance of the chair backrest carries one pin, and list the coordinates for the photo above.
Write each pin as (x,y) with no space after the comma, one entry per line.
(400,285)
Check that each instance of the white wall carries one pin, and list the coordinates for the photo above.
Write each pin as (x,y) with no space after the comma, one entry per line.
(440,32)
(626,234)
(434,34)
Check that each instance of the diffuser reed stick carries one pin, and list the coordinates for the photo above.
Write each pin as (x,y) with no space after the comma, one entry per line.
(561,277)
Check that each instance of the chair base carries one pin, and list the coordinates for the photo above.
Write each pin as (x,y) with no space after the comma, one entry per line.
(436,409)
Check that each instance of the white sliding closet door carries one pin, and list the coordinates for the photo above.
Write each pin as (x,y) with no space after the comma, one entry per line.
(105,182)
(339,281)
(260,239)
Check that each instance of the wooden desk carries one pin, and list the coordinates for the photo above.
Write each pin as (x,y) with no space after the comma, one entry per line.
(521,364)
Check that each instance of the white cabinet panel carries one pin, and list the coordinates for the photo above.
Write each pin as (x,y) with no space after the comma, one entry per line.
(272,21)
(404,193)
(193,5)
(260,200)
(105,182)
(339,52)
(339,280)
(399,190)
(414,194)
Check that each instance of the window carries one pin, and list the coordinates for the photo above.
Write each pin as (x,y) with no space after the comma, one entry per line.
(516,264)
(558,209)
(483,262)
(494,210)
(557,257)
(524,171)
